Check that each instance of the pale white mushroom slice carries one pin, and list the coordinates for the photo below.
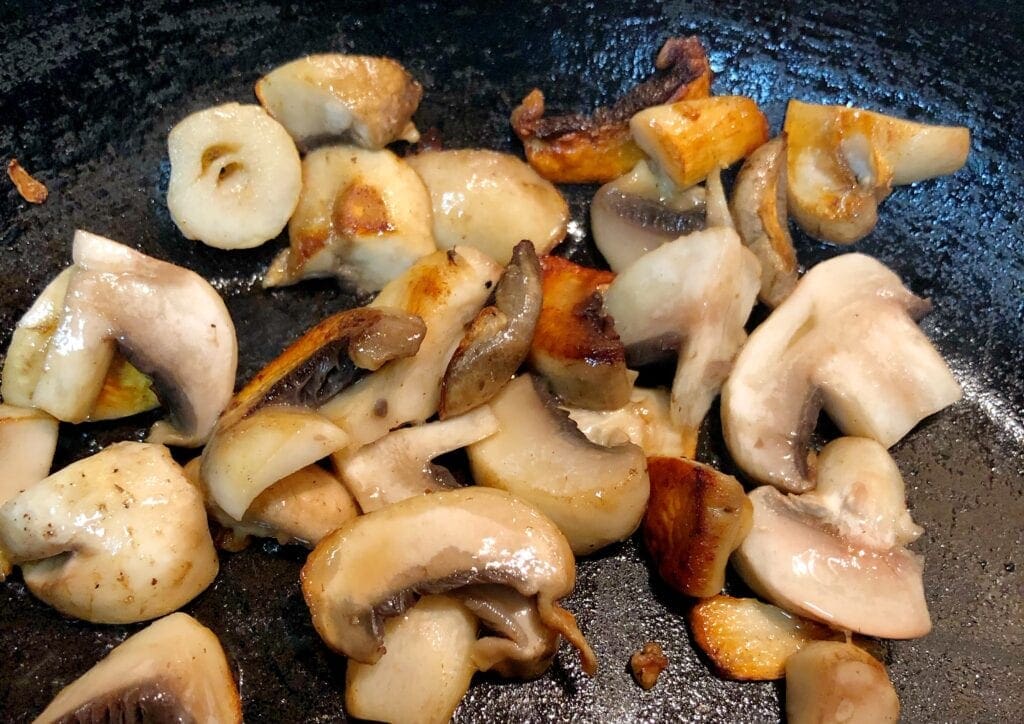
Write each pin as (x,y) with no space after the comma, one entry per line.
(235,176)
(829,681)
(425,669)
(491,201)
(168,320)
(845,340)
(366,99)
(645,421)
(173,670)
(363,216)
(118,537)
(694,294)
(596,495)
(28,439)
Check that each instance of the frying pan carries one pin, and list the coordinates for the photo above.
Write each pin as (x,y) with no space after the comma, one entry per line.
(89,93)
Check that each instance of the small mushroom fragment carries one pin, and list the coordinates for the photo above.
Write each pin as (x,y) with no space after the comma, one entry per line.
(716,206)
(844,339)
(363,216)
(578,149)
(695,519)
(490,200)
(828,681)
(29,188)
(366,99)
(689,139)
(373,567)
(398,465)
(595,495)
(694,293)
(498,340)
(644,421)
(28,439)
(118,537)
(842,162)
(173,670)
(235,176)
(575,345)
(647,665)
(759,207)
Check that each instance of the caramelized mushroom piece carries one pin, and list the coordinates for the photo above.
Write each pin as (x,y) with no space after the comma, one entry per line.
(831,681)
(645,421)
(647,665)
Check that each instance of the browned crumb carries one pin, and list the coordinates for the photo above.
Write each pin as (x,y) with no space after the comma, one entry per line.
(647,664)
(30,189)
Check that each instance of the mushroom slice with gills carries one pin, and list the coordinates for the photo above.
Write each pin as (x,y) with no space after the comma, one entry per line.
(833,681)
(645,421)
(167,320)
(363,216)
(446,290)
(173,670)
(498,340)
(844,339)
(842,162)
(696,517)
(694,294)
(117,537)
(235,176)
(398,465)
(574,148)
(490,200)
(689,139)
(596,495)
(575,345)
(759,209)
(373,567)
(365,99)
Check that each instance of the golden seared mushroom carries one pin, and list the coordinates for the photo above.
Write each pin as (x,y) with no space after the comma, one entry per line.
(365,99)
(490,200)
(645,421)
(498,340)
(235,176)
(842,162)
(695,519)
(118,537)
(363,216)
(173,670)
(845,339)
(689,139)
(168,320)
(596,495)
(691,296)
(828,681)
(758,206)
(575,345)
(373,567)
(574,148)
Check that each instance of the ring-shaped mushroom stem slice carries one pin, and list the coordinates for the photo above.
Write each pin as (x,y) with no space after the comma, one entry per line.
(373,567)
(173,670)
(498,340)
(645,421)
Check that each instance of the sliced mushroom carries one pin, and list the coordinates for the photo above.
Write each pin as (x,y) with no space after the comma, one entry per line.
(118,537)
(490,200)
(832,681)
(842,162)
(596,495)
(363,216)
(498,340)
(844,339)
(28,439)
(373,567)
(369,100)
(759,208)
(644,421)
(716,206)
(694,293)
(168,320)
(173,670)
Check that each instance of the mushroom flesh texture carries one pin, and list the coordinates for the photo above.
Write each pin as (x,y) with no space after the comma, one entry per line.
(645,421)
(695,294)
(363,216)
(28,439)
(829,681)
(490,200)
(167,320)
(373,567)
(842,162)
(362,98)
(118,537)
(596,495)
(845,340)
(173,670)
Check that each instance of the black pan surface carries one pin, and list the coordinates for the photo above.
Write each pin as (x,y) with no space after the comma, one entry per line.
(88,93)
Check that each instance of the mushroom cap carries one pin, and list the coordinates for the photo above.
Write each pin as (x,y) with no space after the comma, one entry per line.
(834,681)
